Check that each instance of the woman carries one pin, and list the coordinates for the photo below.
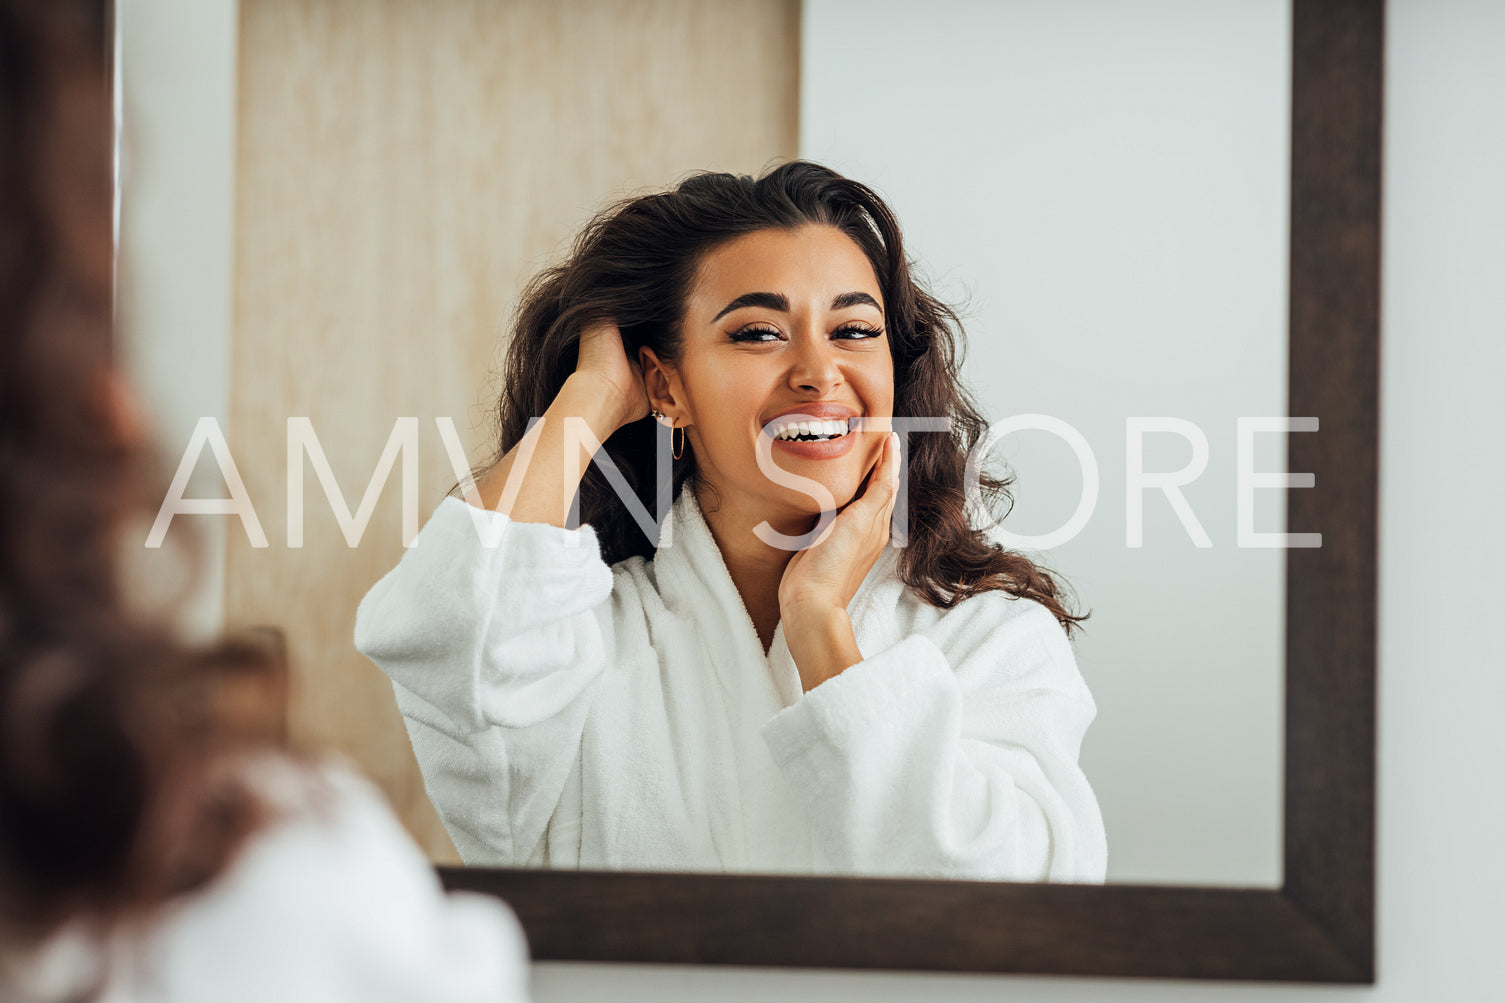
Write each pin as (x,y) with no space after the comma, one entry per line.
(735,697)
(156,842)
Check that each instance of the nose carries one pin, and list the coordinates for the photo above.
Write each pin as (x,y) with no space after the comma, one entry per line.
(814,367)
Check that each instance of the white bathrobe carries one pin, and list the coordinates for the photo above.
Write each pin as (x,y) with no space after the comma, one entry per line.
(570,714)
(330,902)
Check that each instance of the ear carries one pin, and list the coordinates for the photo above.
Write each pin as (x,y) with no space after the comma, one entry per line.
(661,381)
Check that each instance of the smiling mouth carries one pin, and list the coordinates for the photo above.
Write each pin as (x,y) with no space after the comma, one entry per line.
(814,431)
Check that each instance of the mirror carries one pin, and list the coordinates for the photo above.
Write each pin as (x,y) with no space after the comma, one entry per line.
(383,238)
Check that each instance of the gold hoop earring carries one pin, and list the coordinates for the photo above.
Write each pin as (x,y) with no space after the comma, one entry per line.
(660,417)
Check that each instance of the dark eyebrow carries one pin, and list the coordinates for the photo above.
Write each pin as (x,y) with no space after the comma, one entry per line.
(772,301)
(779,302)
(854,299)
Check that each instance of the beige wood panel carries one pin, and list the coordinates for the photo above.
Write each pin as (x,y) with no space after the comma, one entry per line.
(403,167)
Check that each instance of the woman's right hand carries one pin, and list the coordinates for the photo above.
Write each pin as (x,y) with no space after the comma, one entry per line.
(606,391)
(605,367)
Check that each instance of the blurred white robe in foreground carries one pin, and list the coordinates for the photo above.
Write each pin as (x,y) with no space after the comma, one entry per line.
(329,902)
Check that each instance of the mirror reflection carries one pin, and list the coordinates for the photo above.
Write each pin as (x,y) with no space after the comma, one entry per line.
(771,684)
(1097,191)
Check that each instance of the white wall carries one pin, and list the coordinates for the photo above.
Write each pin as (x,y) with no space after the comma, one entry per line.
(177,63)
(1104,184)
(1442,673)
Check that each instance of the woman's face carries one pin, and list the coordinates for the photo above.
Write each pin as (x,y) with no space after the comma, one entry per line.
(781,323)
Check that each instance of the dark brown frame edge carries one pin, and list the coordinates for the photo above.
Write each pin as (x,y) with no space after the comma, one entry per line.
(1319,926)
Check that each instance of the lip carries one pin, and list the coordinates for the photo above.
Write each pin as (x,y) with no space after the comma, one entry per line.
(827,450)
(816,411)
(823,410)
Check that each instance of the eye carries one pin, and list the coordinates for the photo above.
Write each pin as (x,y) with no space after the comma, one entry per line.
(857,332)
(755,334)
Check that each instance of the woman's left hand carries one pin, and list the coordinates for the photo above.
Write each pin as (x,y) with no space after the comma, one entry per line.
(821,580)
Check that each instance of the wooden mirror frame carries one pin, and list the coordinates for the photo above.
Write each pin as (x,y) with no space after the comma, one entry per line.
(1319,925)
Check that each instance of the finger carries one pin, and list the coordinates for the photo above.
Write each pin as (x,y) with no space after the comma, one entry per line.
(894,461)
(866,486)
(883,480)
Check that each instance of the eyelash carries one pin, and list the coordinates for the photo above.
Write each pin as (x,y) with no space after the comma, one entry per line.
(747,334)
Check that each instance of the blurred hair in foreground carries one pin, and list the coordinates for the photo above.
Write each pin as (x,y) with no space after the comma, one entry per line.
(117,738)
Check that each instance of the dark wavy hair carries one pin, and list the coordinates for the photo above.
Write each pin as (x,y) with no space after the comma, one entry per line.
(116,737)
(634,264)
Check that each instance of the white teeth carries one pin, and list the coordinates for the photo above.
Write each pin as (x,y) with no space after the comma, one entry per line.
(828,429)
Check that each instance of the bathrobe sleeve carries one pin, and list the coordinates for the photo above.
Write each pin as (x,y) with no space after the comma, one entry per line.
(492,651)
(952,753)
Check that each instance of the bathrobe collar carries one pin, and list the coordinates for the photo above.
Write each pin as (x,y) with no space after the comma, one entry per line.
(696,586)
